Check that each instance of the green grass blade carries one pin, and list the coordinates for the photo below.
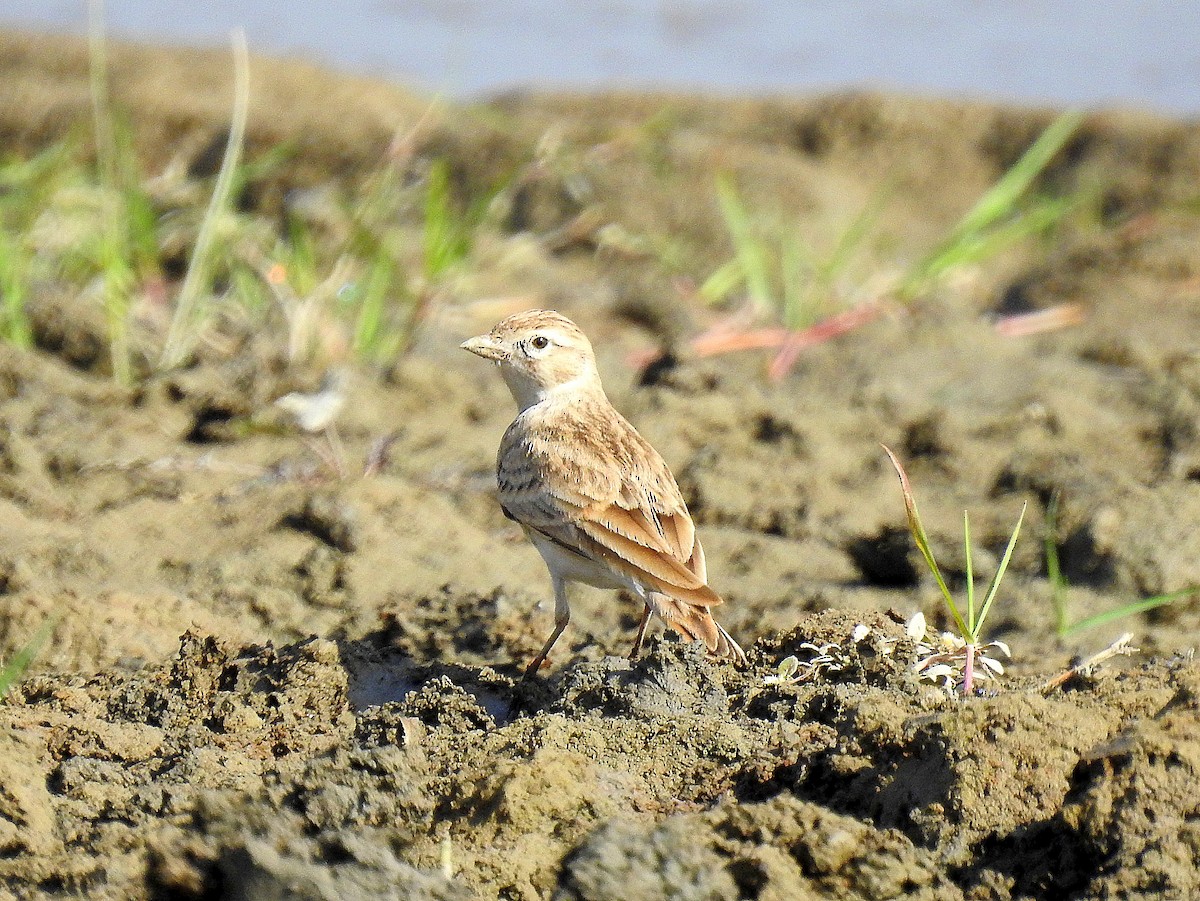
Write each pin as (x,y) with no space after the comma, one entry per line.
(725,279)
(15,668)
(14,281)
(139,217)
(1000,200)
(981,231)
(46,166)
(449,229)
(922,540)
(118,281)
(970,572)
(102,123)
(748,248)
(249,288)
(996,579)
(974,247)
(264,165)
(369,326)
(852,238)
(441,242)
(113,242)
(1131,609)
(798,308)
(181,331)
(299,257)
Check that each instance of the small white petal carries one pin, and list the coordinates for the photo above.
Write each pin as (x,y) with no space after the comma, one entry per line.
(1000,645)
(915,627)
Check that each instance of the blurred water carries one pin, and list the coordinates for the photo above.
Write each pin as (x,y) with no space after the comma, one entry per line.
(1098,53)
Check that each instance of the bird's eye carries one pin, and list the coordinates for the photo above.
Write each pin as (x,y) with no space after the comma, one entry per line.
(540,342)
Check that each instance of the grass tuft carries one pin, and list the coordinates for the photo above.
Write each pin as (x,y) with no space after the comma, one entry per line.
(804,294)
(971,620)
(997,220)
(786,280)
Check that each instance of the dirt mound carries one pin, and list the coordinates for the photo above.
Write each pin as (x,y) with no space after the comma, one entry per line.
(247,772)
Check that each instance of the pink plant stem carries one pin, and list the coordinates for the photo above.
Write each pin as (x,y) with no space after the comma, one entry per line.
(1023,324)
(723,341)
(826,329)
(969,672)
(729,338)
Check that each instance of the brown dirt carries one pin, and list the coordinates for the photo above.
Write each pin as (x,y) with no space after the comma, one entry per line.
(340,718)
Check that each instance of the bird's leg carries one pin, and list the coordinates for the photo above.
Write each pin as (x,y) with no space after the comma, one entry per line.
(336,450)
(641,634)
(562,616)
(331,454)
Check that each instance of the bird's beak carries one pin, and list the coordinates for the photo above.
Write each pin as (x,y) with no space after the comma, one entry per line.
(487,347)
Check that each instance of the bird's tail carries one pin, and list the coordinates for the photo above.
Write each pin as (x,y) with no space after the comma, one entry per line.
(696,623)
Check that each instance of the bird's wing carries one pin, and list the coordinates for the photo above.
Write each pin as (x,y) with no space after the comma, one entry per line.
(588,481)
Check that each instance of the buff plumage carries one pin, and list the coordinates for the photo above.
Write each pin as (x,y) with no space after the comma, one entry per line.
(593,496)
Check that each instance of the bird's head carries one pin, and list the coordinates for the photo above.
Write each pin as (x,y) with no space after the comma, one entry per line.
(539,352)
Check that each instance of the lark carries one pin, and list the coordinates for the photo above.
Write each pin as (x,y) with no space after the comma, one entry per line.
(593,496)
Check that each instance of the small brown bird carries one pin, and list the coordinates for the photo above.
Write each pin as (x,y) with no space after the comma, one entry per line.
(593,496)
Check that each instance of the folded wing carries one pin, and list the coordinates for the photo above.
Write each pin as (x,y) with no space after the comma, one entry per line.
(607,494)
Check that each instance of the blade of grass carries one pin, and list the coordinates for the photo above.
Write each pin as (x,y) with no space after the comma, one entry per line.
(299,257)
(114,264)
(47,166)
(1000,200)
(139,217)
(449,229)
(974,247)
(1160,600)
(969,239)
(15,668)
(98,84)
(263,166)
(369,326)
(14,277)
(748,249)
(441,238)
(994,587)
(118,280)
(854,235)
(723,281)
(922,540)
(798,310)
(181,332)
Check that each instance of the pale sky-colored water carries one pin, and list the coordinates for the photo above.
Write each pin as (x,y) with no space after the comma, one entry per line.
(1091,53)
